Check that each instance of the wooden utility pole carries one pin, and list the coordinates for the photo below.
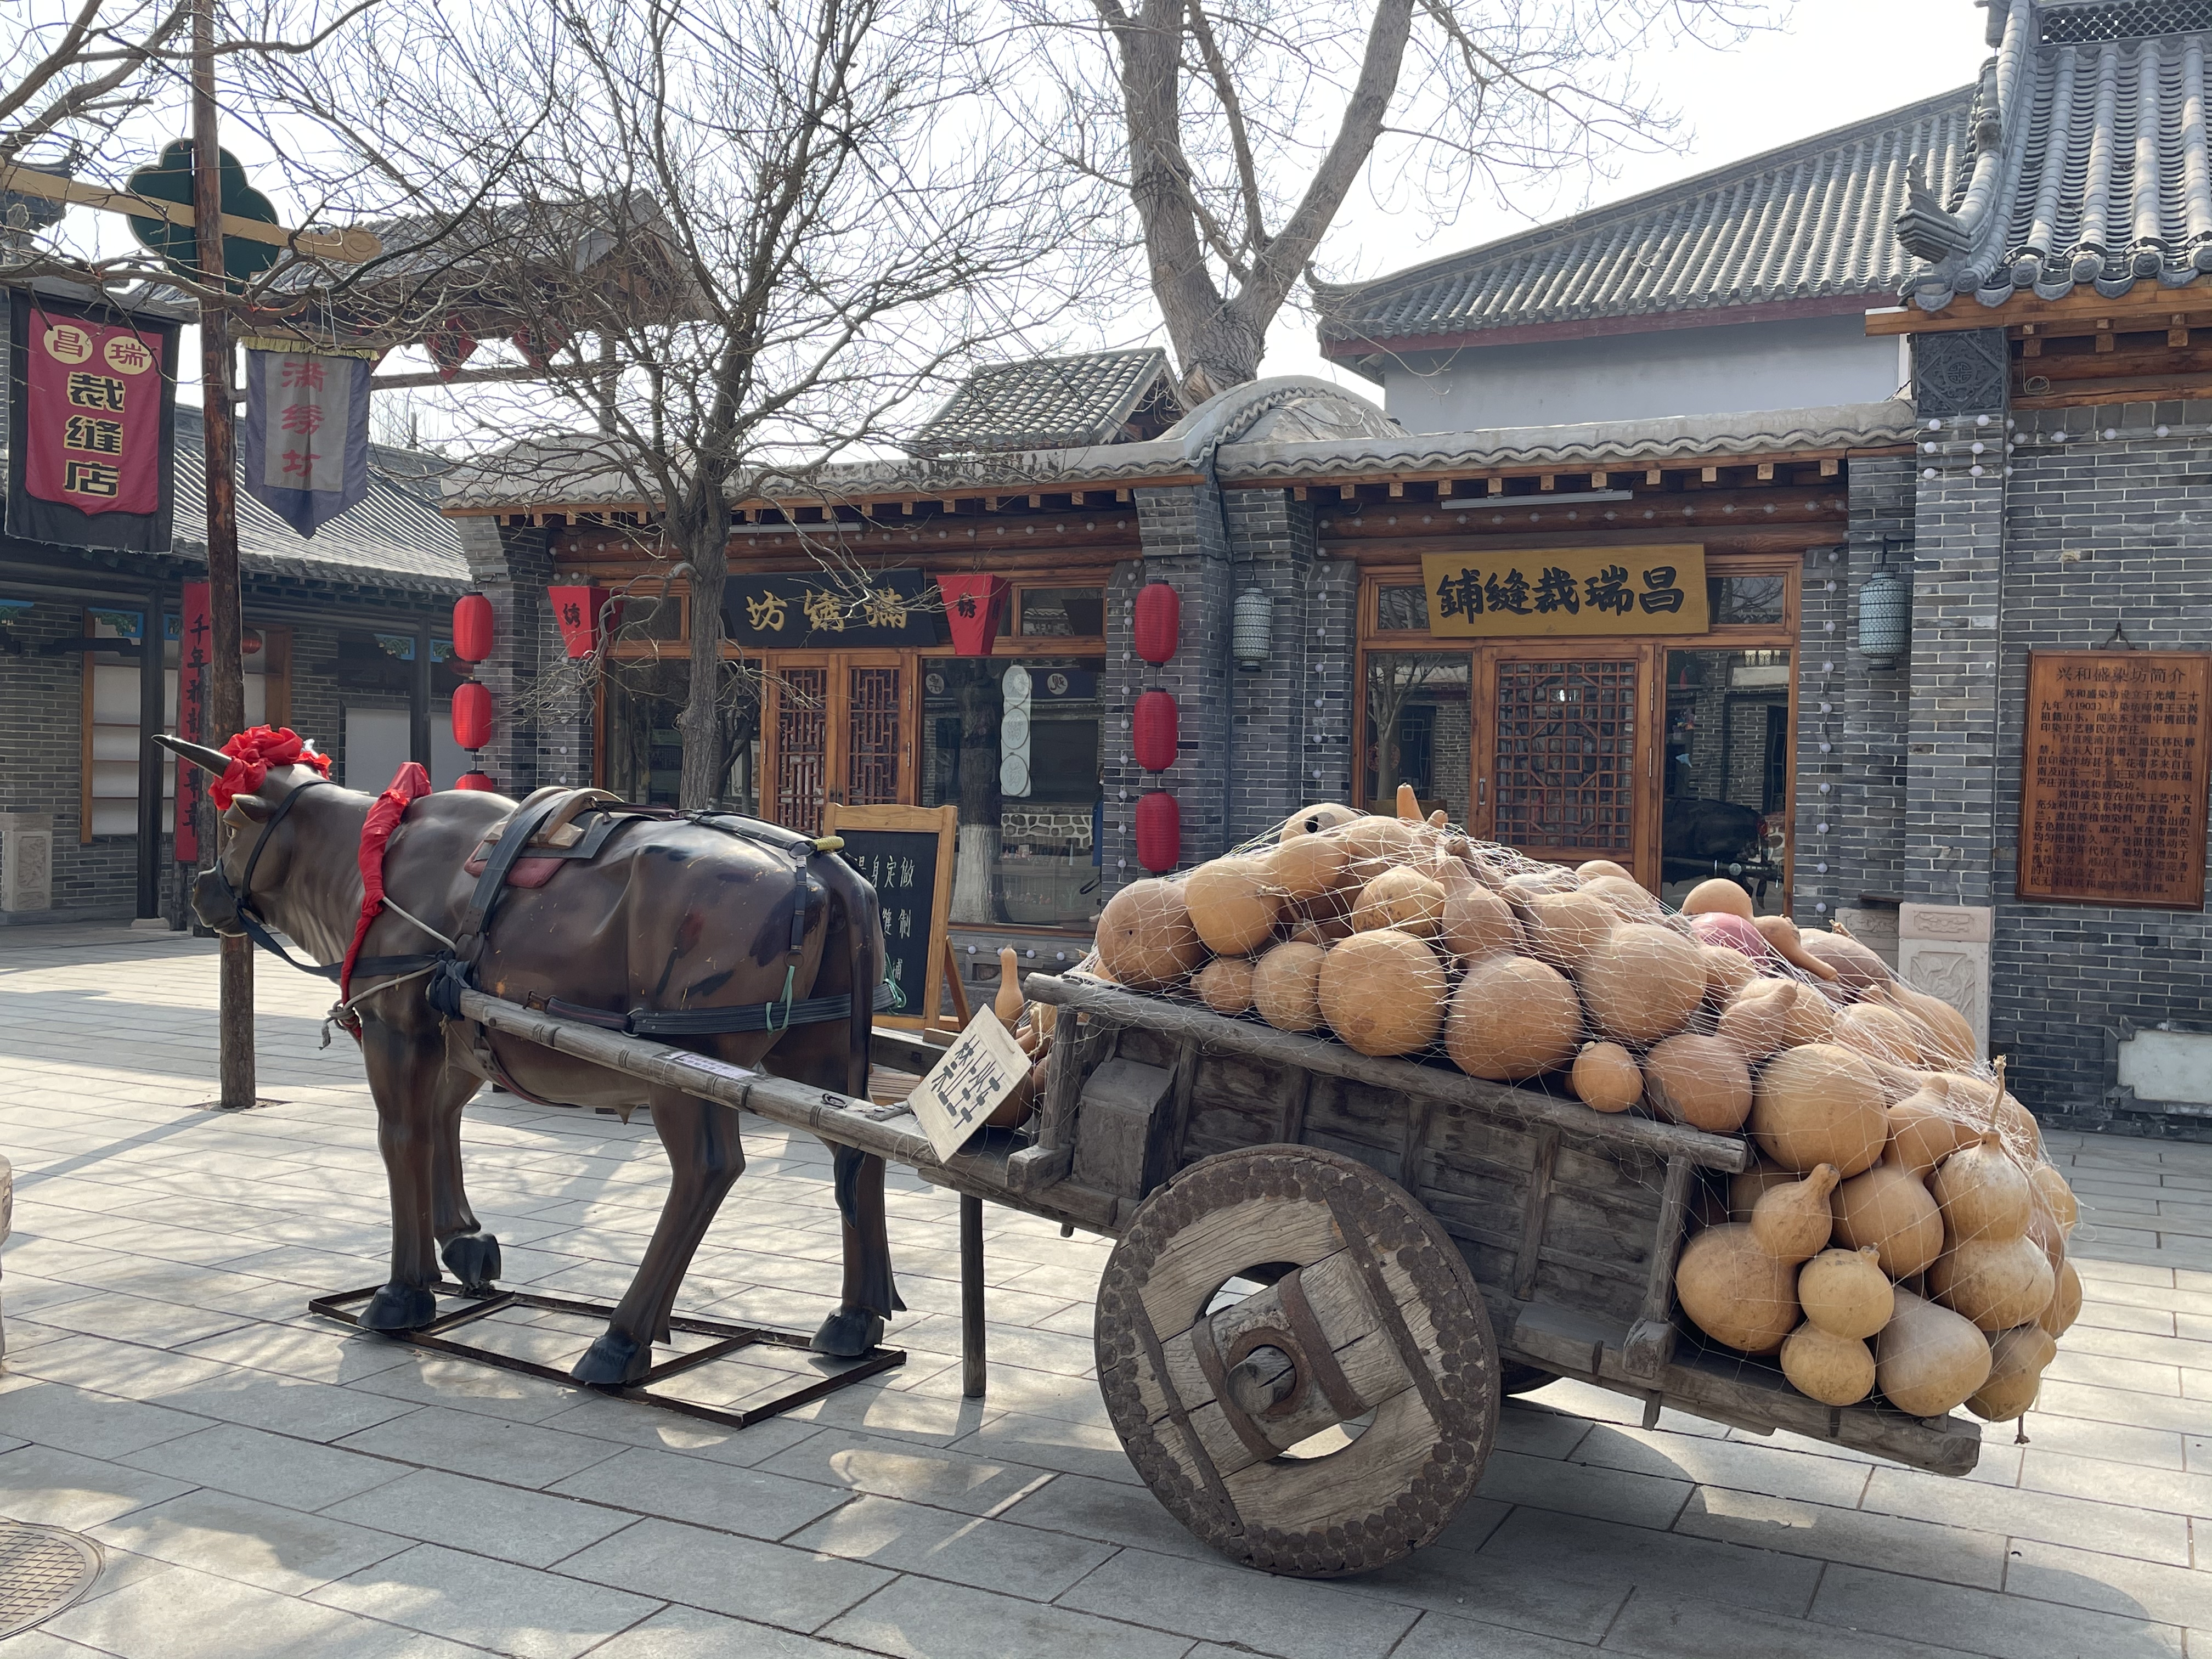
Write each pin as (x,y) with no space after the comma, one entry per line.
(227,673)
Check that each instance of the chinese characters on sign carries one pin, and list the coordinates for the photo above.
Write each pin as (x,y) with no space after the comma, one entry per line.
(823,609)
(971,1081)
(900,865)
(1522,592)
(91,427)
(2113,778)
(194,651)
(306,453)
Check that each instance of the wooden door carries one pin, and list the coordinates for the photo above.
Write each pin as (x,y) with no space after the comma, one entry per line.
(1565,754)
(837,728)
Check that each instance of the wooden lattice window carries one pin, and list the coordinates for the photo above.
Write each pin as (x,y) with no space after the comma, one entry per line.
(1565,775)
(802,735)
(871,764)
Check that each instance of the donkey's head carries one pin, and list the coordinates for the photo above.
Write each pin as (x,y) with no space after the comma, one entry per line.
(258,841)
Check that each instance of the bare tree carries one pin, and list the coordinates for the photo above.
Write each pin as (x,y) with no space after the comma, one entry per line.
(1238,127)
(735,237)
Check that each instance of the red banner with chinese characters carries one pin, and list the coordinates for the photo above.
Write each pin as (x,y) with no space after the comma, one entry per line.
(973,602)
(195,651)
(576,614)
(92,426)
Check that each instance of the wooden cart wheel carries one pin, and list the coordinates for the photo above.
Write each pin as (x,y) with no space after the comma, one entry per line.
(1372,1328)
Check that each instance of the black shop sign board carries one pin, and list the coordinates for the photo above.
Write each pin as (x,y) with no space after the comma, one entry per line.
(907,853)
(832,610)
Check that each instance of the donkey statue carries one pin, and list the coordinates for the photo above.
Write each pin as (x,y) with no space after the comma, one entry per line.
(736,940)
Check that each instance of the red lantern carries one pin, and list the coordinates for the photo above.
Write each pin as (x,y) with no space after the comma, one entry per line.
(972,604)
(476,781)
(1159,622)
(1159,832)
(473,628)
(576,614)
(472,715)
(1155,727)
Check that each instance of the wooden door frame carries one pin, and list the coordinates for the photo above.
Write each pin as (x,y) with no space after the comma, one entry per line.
(837,716)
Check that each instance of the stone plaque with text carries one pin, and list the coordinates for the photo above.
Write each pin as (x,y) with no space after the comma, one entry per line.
(2113,778)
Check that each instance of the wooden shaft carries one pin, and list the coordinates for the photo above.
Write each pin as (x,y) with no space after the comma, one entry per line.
(973,1370)
(227,672)
(833,1117)
(1211,1030)
(153,762)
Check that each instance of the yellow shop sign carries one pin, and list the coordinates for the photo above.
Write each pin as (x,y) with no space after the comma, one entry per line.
(1515,592)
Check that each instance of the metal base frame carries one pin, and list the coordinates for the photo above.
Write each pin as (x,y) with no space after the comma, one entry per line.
(730,1338)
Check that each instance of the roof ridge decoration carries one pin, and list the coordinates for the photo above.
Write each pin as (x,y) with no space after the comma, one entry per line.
(2089,162)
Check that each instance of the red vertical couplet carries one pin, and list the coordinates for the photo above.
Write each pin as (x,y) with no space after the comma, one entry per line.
(94,439)
(195,653)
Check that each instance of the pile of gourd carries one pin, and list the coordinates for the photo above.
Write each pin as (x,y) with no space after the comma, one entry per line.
(1901,1195)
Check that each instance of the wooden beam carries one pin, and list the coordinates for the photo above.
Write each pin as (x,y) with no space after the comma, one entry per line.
(1829,468)
(1710,474)
(1497,486)
(1597,480)
(1767,472)
(346,247)
(2146,304)
(1546,481)
(1653,476)
(1397,488)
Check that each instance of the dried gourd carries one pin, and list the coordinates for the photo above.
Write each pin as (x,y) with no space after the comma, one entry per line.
(1997,1283)
(1477,923)
(1315,819)
(1401,898)
(1886,1209)
(1836,1370)
(1699,1080)
(1225,984)
(1869,1028)
(1382,992)
(1641,982)
(1718,896)
(1606,1078)
(1590,868)
(1145,938)
(1792,1222)
(1818,1104)
(1746,1187)
(2065,1305)
(1627,896)
(2017,1359)
(1924,1131)
(1983,1193)
(2057,1195)
(1562,928)
(1855,964)
(1735,1292)
(1845,1292)
(1234,904)
(1512,1017)
(1927,1358)
(1286,987)
(1306,867)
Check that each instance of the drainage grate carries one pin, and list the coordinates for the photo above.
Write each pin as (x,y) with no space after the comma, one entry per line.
(42,1570)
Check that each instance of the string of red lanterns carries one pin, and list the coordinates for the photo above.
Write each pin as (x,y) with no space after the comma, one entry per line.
(1156,632)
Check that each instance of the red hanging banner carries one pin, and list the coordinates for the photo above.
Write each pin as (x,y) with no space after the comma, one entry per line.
(972,603)
(576,613)
(195,650)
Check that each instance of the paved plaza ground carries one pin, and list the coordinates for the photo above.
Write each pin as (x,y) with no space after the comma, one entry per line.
(263,1484)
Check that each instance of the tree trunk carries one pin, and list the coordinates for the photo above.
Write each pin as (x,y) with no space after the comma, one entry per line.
(975,892)
(700,722)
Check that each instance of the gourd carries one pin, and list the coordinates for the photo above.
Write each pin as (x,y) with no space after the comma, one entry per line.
(1997,1283)
(1718,896)
(1772,1014)
(1727,972)
(1225,984)
(1315,819)
(1983,1194)
(1727,928)
(2017,1359)
(1699,1080)
(1746,1188)
(2056,1196)
(1954,1037)
(1145,938)
(1401,898)
(1855,964)
(1606,1078)
(1234,904)
(1641,982)
(1781,933)
(1846,1293)
(1836,1370)
(1886,1209)
(1376,842)
(1871,1029)
(1735,1292)
(2065,1302)
(1818,1104)
(1382,992)
(1286,987)
(1924,1132)
(1928,1360)
(1592,867)
(1476,921)
(1627,896)
(1008,1004)
(1306,867)
(1511,1017)
(1792,1222)
(1562,928)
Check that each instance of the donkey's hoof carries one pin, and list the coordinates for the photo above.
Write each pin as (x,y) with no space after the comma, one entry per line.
(614,1361)
(399,1308)
(849,1333)
(472,1258)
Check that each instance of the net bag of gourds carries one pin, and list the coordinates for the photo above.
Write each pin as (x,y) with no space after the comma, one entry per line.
(1901,1230)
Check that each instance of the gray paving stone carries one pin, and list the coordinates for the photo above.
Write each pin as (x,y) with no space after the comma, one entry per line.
(1641,1500)
(53,1488)
(492,1604)
(917,1619)
(1685,1629)
(527,1528)
(492,1448)
(1603,1555)
(893,1468)
(1225,1603)
(2052,1518)
(285,1405)
(1745,1466)
(964,1549)
(724,1495)
(1049,1443)
(182,1614)
(689,1633)
(1977,1621)
(252,1463)
(459,1385)
(1441,1635)
(770,1583)
(256,1543)
(80,1421)
(1888,1542)
(1108,1511)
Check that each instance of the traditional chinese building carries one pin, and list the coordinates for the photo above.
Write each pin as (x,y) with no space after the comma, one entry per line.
(1733,527)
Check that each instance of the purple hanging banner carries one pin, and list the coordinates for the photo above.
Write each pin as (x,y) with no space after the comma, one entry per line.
(306,453)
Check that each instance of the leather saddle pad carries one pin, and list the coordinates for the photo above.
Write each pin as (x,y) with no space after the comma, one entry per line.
(579,830)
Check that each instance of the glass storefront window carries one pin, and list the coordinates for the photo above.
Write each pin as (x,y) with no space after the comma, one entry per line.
(645,747)
(1015,743)
(1417,729)
(1725,810)
(1064,612)
(1401,610)
(1739,601)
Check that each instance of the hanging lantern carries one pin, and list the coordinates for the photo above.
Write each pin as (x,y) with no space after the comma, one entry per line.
(1154,726)
(1252,629)
(450,344)
(1159,832)
(476,781)
(1884,618)
(576,614)
(472,715)
(474,628)
(973,606)
(1158,625)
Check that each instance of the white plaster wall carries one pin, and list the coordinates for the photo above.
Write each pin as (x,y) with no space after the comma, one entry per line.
(1810,362)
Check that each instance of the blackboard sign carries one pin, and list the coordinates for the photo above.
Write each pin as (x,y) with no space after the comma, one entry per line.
(906,852)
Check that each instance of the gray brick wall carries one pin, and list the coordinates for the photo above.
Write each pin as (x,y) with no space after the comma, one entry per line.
(541,718)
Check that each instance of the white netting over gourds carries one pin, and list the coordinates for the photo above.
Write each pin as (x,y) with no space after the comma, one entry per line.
(1901,1232)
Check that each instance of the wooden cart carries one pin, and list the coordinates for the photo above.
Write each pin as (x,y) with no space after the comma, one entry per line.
(1414,1244)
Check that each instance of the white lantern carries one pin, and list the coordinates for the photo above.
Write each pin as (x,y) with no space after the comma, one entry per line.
(1884,618)
(1252,630)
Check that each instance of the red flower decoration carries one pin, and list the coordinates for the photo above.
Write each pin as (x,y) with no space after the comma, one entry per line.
(252,753)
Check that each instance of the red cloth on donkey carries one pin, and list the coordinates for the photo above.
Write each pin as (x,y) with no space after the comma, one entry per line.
(409,785)
(252,753)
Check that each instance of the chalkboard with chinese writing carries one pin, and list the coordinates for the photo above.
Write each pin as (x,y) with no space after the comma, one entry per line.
(907,853)
(2113,777)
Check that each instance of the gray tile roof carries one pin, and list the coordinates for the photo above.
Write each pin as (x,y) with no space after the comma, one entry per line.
(1050,403)
(2089,164)
(1808,223)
